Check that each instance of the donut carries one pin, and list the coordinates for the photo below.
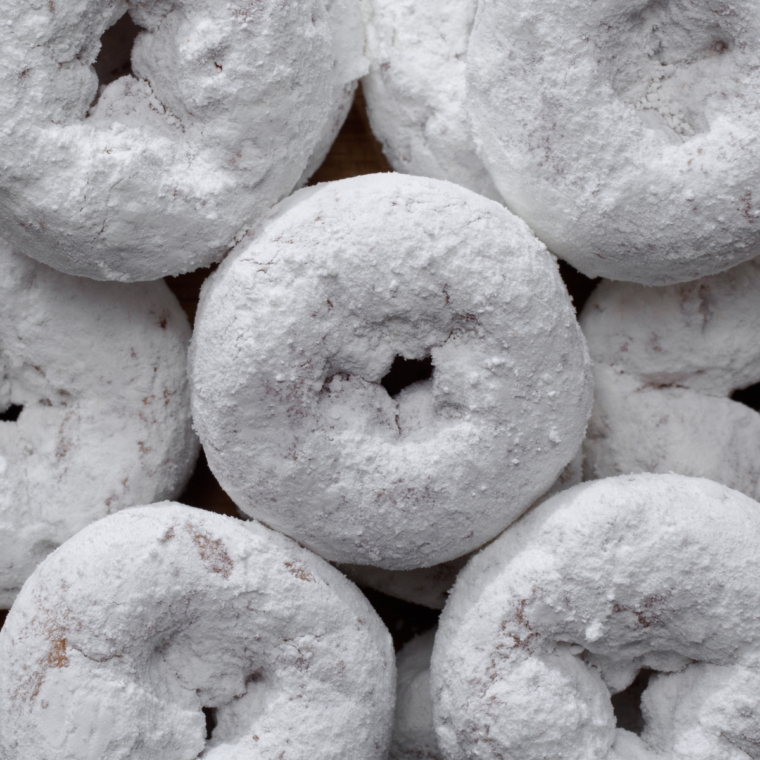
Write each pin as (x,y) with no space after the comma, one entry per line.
(415,89)
(347,27)
(429,586)
(624,134)
(94,406)
(413,731)
(295,333)
(605,578)
(122,636)
(666,361)
(168,167)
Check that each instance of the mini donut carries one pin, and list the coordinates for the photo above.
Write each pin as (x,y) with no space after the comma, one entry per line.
(94,406)
(656,571)
(415,89)
(294,335)
(142,619)
(665,362)
(429,586)
(413,730)
(347,27)
(624,133)
(170,165)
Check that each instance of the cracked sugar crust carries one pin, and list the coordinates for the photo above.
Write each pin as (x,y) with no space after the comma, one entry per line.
(171,165)
(142,619)
(624,134)
(95,374)
(666,361)
(296,331)
(415,89)
(608,577)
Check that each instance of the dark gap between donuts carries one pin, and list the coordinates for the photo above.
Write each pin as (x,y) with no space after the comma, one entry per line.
(210,713)
(11,414)
(404,620)
(3,615)
(578,285)
(748,396)
(627,703)
(405,372)
(115,57)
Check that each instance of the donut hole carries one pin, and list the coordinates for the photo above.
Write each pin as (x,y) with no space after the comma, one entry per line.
(210,715)
(749,396)
(115,57)
(406,372)
(626,704)
(668,64)
(11,414)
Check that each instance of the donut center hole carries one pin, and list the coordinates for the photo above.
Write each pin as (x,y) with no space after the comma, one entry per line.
(115,57)
(748,396)
(671,66)
(406,372)
(11,414)
(210,715)
(626,704)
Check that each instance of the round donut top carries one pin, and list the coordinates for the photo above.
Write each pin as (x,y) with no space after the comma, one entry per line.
(93,384)
(296,332)
(627,572)
(700,335)
(143,618)
(159,173)
(625,134)
(415,89)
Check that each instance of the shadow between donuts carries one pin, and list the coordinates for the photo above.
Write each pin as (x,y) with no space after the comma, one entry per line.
(749,396)
(11,414)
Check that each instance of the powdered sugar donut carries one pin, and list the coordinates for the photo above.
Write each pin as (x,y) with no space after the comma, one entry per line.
(351,64)
(162,173)
(95,406)
(294,335)
(638,571)
(625,134)
(665,362)
(413,731)
(429,586)
(415,89)
(123,635)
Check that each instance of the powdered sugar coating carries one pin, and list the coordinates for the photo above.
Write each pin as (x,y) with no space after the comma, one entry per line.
(347,27)
(415,89)
(665,362)
(625,134)
(123,635)
(413,731)
(169,166)
(296,330)
(429,586)
(640,570)
(100,371)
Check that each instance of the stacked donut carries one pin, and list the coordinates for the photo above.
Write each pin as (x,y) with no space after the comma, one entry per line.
(624,134)
(386,374)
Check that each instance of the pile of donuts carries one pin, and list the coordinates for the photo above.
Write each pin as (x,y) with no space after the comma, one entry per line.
(388,378)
